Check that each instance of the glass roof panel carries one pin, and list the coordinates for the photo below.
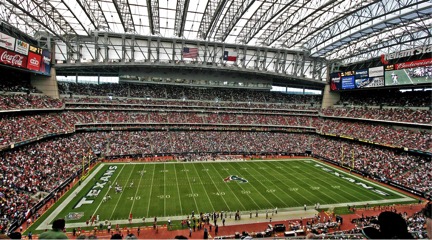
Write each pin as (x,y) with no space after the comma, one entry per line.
(321,26)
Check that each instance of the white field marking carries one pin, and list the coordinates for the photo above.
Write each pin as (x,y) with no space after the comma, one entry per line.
(151,187)
(233,191)
(295,184)
(46,223)
(165,171)
(196,205)
(208,197)
(324,192)
(408,76)
(100,203)
(255,188)
(178,190)
(266,188)
(361,180)
(121,192)
(181,217)
(207,162)
(345,192)
(273,192)
(136,193)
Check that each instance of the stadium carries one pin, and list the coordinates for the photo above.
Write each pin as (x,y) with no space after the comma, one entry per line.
(220,119)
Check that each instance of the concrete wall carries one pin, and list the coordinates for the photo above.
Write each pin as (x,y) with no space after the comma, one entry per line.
(48,85)
(329,97)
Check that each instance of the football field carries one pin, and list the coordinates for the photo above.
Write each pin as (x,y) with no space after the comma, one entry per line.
(176,189)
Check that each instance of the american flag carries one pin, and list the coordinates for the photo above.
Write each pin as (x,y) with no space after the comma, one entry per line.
(190,52)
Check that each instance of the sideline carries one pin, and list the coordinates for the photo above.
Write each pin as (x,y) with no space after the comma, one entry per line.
(46,223)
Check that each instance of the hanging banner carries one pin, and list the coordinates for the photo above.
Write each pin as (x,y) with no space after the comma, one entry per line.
(21,47)
(45,67)
(12,58)
(7,41)
(34,61)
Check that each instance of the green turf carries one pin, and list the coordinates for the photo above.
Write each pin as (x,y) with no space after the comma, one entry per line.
(177,189)
(404,78)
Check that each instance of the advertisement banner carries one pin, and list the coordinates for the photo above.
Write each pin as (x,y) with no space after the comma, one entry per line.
(7,41)
(36,50)
(335,81)
(363,73)
(413,64)
(34,61)
(348,82)
(12,58)
(370,82)
(376,72)
(21,47)
(45,67)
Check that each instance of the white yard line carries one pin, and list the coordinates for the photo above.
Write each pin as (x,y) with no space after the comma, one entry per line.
(408,76)
(196,205)
(208,197)
(323,192)
(256,189)
(138,187)
(363,180)
(100,203)
(151,187)
(124,190)
(178,190)
(283,191)
(46,223)
(234,192)
(164,192)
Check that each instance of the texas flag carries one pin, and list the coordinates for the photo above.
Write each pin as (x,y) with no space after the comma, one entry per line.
(226,57)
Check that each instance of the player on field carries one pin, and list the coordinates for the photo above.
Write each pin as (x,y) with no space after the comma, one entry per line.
(394,77)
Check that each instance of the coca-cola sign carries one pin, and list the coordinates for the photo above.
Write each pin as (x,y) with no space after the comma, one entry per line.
(12,58)
(34,61)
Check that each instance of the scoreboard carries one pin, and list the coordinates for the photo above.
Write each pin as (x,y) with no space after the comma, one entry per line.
(400,74)
(355,79)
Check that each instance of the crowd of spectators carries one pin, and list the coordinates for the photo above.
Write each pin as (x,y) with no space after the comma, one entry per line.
(380,163)
(387,114)
(28,101)
(382,134)
(386,97)
(42,166)
(16,86)
(415,226)
(18,127)
(38,167)
(184,93)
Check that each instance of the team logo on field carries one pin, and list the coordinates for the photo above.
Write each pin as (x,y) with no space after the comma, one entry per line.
(235,178)
(74,216)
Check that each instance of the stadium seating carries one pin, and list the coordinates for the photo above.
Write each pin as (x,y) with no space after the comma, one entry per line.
(182,105)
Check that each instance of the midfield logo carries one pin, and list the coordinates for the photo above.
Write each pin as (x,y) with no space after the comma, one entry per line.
(235,178)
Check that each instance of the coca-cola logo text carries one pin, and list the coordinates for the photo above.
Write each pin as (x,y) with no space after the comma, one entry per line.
(15,60)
